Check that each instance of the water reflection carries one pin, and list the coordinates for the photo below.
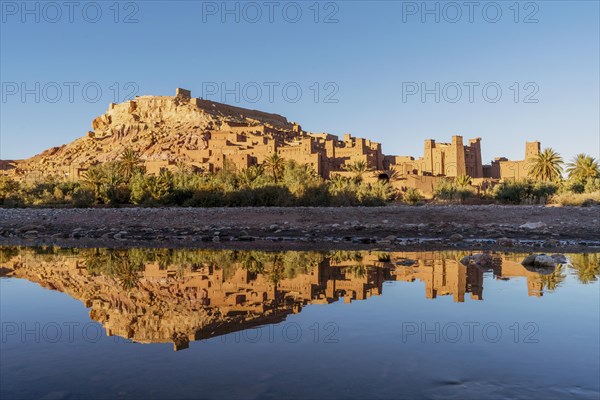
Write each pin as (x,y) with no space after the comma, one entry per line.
(178,296)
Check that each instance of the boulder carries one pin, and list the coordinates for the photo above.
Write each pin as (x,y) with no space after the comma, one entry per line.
(544,260)
(479,260)
(533,225)
(559,258)
(505,242)
(551,243)
(457,237)
(529,260)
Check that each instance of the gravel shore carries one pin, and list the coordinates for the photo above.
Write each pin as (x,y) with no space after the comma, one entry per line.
(431,226)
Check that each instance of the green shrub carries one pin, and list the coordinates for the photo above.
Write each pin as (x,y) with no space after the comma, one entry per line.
(83,198)
(573,186)
(577,199)
(525,192)
(447,190)
(13,201)
(413,196)
(511,192)
(592,185)
(8,187)
(206,198)
(541,192)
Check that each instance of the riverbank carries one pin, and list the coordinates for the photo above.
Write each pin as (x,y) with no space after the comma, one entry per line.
(493,227)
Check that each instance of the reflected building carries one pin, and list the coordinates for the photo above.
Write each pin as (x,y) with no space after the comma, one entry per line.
(442,276)
(211,293)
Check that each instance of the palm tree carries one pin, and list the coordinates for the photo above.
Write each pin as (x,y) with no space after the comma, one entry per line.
(130,162)
(275,165)
(182,168)
(583,167)
(463,181)
(112,177)
(391,174)
(93,178)
(546,166)
(359,168)
(159,186)
(248,176)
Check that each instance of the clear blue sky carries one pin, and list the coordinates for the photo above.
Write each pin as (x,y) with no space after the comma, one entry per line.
(369,56)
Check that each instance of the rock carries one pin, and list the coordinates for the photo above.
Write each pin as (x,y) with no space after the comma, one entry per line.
(551,243)
(26,228)
(274,227)
(529,260)
(533,225)
(480,260)
(364,240)
(505,242)
(391,238)
(457,237)
(77,233)
(560,258)
(544,261)
(119,236)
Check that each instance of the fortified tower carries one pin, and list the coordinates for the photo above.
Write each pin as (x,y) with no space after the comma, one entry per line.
(456,163)
(532,149)
(473,158)
(428,155)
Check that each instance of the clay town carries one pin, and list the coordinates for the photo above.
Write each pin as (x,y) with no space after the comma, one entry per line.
(206,136)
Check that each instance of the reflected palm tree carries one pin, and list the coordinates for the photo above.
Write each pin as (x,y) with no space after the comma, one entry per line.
(115,263)
(298,263)
(127,275)
(586,267)
(339,256)
(359,271)
(553,280)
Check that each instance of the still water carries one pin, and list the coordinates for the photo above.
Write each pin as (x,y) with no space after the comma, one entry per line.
(156,323)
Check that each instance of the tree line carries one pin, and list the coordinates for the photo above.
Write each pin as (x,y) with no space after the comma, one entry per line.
(280,182)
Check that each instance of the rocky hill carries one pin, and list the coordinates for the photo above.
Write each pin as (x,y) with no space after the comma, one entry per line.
(158,127)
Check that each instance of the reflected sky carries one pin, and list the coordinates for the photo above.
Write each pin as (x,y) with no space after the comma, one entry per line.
(104,323)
